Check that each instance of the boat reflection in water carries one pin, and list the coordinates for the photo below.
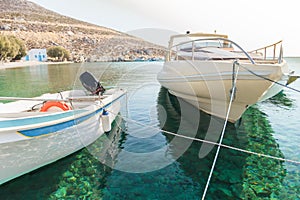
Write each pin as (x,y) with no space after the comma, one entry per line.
(237,175)
(107,148)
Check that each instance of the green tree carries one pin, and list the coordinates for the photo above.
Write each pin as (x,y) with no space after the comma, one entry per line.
(21,48)
(4,47)
(58,53)
(11,48)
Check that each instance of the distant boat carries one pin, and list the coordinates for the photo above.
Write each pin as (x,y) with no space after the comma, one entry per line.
(37,131)
(201,67)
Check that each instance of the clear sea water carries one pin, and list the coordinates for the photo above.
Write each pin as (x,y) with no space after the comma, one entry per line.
(138,161)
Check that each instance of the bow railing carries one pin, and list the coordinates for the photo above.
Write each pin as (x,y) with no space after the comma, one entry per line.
(270,51)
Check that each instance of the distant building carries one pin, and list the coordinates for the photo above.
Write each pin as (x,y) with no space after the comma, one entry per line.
(36,55)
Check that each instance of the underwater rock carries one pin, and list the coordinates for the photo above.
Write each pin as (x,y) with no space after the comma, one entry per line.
(248,192)
(89,171)
(61,192)
(67,174)
(261,191)
(72,179)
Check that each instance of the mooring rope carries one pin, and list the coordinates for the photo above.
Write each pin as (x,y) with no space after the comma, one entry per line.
(206,141)
(232,96)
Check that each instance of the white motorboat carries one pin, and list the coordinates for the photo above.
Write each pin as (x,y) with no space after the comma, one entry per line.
(204,68)
(37,131)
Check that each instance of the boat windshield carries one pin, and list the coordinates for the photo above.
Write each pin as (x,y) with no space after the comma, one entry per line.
(197,45)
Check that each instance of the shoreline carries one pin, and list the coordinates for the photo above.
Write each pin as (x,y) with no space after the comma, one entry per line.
(28,64)
(20,64)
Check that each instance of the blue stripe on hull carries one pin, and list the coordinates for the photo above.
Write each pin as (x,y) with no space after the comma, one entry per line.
(57,127)
(36,120)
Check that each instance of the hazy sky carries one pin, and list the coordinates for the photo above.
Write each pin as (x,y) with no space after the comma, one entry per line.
(252,23)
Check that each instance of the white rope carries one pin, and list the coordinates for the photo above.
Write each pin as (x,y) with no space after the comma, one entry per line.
(224,128)
(209,142)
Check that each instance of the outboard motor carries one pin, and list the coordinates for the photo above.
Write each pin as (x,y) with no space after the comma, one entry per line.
(90,83)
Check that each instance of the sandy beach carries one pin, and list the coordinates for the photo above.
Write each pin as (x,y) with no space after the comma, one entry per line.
(27,63)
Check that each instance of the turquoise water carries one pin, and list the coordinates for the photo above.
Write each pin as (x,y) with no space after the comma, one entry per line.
(137,161)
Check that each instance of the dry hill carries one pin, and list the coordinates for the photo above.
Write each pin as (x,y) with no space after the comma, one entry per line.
(42,28)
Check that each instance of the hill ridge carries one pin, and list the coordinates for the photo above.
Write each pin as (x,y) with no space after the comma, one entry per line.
(42,28)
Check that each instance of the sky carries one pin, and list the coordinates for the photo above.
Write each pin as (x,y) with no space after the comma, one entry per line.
(251,24)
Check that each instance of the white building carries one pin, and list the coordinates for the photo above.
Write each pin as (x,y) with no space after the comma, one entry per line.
(36,55)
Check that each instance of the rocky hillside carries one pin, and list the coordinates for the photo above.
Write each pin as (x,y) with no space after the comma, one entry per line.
(42,28)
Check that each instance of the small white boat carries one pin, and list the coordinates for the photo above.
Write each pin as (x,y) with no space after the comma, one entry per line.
(202,68)
(37,131)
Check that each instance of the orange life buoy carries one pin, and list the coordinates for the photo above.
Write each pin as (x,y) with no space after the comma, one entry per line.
(52,104)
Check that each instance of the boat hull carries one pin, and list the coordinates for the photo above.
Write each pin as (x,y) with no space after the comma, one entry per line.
(207,84)
(22,152)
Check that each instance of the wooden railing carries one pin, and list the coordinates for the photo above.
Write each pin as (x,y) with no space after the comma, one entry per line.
(263,50)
